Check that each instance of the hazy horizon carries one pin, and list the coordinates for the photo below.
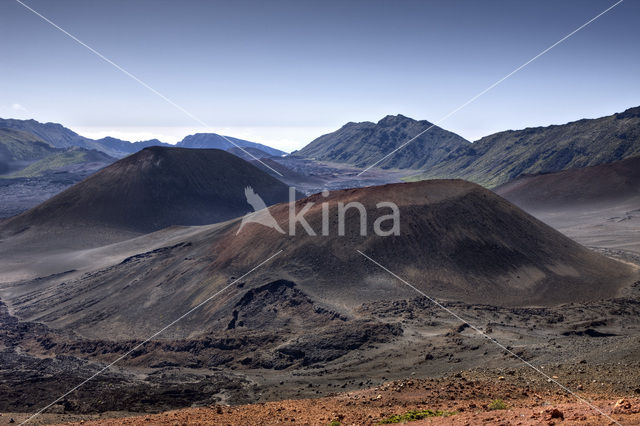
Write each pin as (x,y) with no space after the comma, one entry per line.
(312,67)
(245,133)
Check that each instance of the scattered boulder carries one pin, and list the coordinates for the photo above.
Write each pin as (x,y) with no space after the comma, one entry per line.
(553,414)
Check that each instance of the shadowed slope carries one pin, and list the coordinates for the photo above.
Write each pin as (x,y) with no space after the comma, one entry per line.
(597,206)
(598,185)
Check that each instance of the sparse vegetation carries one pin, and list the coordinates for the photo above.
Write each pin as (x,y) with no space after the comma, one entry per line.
(541,150)
(352,144)
(497,404)
(334,423)
(414,415)
(18,148)
(58,160)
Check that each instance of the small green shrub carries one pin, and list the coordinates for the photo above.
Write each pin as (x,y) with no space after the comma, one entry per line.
(414,415)
(497,404)
(334,423)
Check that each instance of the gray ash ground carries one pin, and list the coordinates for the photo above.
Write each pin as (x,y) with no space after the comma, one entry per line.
(21,194)
(592,347)
(310,176)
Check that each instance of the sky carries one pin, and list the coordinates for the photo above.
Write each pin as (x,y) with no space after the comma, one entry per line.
(286,72)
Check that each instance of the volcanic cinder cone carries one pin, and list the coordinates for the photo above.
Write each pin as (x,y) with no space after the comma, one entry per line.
(457,241)
(153,189)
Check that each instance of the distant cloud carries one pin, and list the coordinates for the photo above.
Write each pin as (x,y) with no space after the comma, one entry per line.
(18,107)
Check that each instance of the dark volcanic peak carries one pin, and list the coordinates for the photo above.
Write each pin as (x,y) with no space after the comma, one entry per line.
(503,156)
(603,186)
(362,144)
(155,188)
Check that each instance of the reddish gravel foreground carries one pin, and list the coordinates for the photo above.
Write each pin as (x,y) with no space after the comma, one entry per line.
(467,399)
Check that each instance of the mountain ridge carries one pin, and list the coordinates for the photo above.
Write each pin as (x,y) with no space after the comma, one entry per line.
(500,157)
(362,144)
(216,141)
(490,161)
(60,136)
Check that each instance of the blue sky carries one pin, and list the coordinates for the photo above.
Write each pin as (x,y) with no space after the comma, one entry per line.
(284,72)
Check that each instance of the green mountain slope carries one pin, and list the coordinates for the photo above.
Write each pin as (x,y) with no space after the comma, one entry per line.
(70,158)
(59,136)
(18,148)
(501,157)
(53,133)
(362,144)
